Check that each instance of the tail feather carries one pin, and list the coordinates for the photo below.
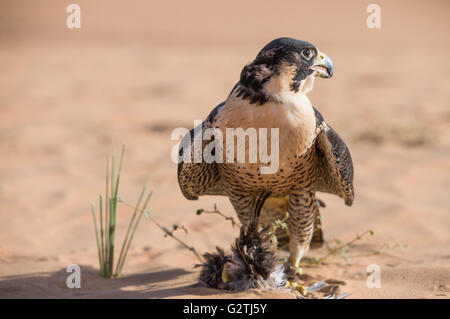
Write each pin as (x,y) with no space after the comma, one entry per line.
(317,238)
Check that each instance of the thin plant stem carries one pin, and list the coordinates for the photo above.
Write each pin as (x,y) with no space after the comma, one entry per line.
(169,233)
(191,248)
(216,211)
(339,248)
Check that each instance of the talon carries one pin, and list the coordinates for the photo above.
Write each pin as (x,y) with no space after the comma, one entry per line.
(296,286)
(302,290)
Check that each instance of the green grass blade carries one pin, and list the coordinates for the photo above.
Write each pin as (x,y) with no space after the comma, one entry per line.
(112,229)
(129,229)
(102,246)
(114,193)
(119,171)
(96,236)
(113,177)
(107,217)
(132,233)
(112,218)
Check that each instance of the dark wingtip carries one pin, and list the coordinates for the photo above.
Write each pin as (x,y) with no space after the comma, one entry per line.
(349,201)
(190,196)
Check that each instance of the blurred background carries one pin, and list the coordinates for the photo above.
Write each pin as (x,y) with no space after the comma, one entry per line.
(136,70)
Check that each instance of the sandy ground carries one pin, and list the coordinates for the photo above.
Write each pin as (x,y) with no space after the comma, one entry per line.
(136,71)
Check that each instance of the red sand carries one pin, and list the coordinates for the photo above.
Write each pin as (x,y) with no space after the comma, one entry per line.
(135,71)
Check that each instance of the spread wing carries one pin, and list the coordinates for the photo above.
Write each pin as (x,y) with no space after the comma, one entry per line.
(335,163)
(203,178)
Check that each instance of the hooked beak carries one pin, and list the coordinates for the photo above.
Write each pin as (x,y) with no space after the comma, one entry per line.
(323,65)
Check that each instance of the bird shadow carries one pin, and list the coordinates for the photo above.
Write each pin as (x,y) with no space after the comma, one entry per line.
(92,285)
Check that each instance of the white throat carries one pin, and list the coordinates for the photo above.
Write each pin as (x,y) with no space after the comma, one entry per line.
(279,90)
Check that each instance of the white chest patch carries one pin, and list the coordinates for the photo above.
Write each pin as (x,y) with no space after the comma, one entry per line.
(294,117)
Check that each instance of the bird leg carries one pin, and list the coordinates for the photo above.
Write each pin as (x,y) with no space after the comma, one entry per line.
(248,207)
(302,209)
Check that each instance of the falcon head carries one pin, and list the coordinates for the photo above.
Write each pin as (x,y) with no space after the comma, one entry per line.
(284,67)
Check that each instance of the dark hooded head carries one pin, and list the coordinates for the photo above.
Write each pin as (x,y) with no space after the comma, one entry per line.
(283,66)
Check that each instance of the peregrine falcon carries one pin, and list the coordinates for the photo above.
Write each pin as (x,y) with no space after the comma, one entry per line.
(272,93)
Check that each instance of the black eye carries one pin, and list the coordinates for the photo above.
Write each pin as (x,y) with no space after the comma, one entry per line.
(307,53)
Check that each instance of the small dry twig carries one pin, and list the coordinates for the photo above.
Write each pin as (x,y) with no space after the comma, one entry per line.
(278,224)
(340,247)
(168,232)
(381,250)
(218,212)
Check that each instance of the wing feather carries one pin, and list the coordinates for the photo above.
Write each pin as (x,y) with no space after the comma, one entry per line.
(203,178)
(335,163)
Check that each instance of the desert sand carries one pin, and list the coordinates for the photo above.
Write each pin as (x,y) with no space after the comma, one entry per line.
(137,69)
